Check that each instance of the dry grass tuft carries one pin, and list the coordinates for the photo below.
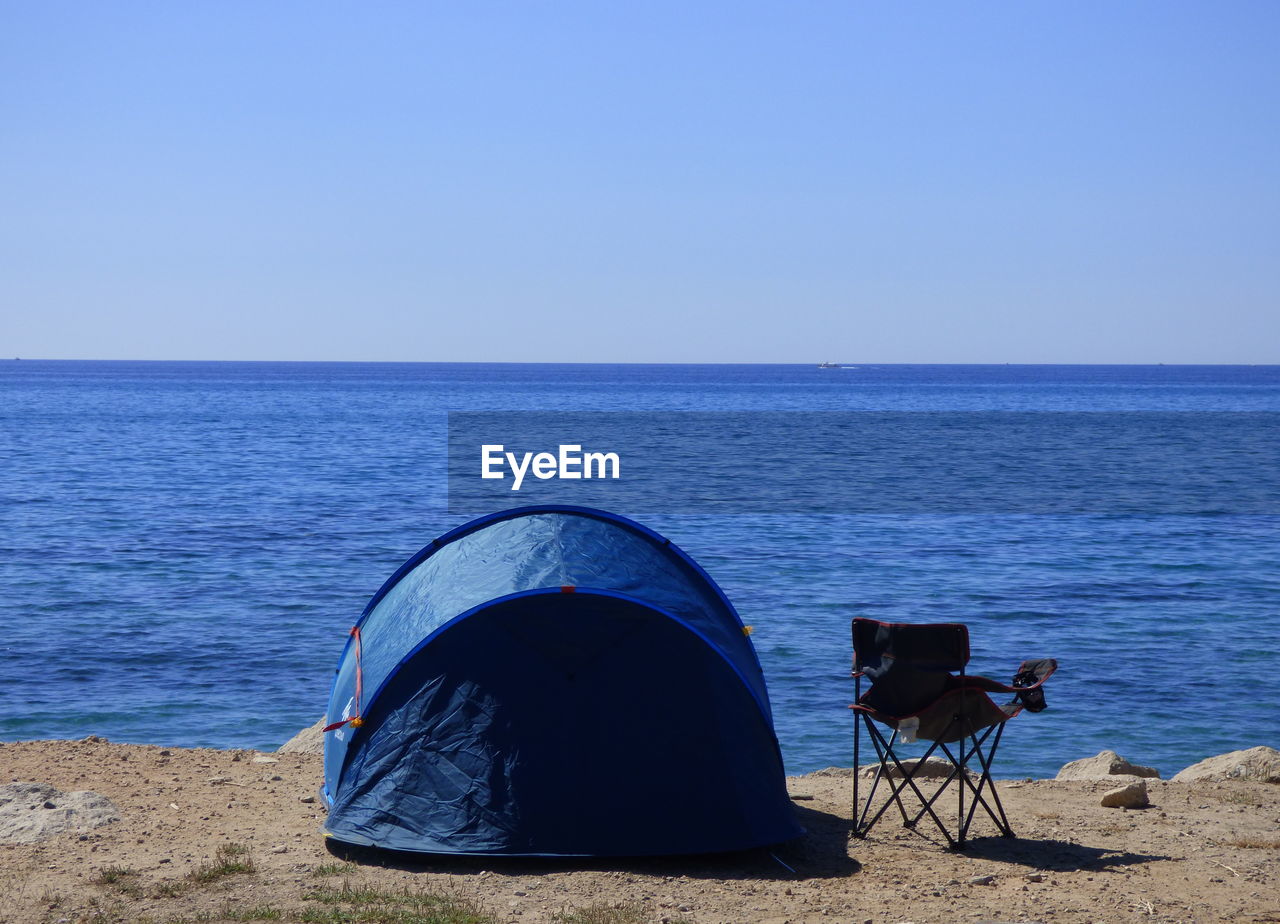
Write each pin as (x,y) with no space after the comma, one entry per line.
(1254,843)
(348,905)
(111,875)
(229,860)
(618,913)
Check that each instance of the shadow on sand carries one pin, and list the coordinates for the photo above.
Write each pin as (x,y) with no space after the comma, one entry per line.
(1054,855)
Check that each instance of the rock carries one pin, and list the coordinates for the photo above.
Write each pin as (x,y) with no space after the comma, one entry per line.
(933,769)
(1260,764)
(1105,765)
(308,741)
(1133,795)
(31,812)
(982,880)
(307,800)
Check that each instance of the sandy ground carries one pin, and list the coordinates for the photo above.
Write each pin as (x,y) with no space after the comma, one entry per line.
(1201,852)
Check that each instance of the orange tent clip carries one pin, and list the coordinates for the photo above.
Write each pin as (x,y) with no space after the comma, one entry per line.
(354,721)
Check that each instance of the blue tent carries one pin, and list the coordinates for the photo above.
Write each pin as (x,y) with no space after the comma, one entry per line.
(552,681)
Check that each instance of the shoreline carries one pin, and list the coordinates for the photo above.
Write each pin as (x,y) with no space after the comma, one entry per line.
(1203,851)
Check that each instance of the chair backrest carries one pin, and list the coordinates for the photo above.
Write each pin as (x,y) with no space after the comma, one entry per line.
(909,664)
(939,646)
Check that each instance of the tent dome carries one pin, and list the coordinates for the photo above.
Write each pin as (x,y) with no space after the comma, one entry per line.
(552,681)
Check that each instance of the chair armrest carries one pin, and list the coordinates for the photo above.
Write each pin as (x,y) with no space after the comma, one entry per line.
(1046,667)
(987,685)
(1040,668)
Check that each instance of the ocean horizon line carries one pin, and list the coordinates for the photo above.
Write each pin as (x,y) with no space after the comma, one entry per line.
(646,363)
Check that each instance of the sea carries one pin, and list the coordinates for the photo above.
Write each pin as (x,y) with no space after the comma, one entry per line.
(185,545)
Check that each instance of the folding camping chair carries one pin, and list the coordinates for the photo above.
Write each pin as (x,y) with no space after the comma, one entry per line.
(919,689)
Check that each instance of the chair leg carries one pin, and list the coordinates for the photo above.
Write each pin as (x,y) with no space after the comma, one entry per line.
(883,750)
(906,779)
(957,771)
(986,760)
(886,755)
(926,805)
(857,769)
(857,738)
(960,760)
(970,794)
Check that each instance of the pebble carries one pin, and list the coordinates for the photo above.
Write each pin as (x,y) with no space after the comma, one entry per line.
(982,880)
(307,799)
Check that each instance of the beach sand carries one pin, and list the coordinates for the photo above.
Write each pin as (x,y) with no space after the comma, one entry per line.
(1202,852)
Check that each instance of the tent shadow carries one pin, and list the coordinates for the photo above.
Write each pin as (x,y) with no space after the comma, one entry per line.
(821,853)
(1054,855)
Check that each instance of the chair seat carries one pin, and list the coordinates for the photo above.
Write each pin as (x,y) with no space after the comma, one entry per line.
(953,716)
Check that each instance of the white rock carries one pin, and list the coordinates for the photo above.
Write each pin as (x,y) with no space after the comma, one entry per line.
(1132,796)
(1260,764)
(308,741)
(935,768)
(31,812)
(1104,765)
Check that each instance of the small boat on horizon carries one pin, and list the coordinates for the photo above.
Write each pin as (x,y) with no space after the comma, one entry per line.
(829,366)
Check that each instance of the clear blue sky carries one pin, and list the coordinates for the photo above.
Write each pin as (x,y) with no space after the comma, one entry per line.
(646,181)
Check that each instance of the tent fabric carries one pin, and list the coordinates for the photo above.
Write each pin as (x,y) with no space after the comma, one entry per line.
(553,681)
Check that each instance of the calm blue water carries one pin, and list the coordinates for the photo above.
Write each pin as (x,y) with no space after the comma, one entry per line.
(183,547)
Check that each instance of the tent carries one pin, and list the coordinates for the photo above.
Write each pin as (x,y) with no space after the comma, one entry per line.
(552,681)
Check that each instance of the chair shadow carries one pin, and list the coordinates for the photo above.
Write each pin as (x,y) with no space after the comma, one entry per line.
(820,853)
(1054,855)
